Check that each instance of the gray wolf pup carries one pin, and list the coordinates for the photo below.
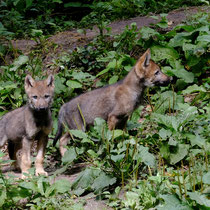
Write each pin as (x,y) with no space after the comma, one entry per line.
(22,126)
(113,103)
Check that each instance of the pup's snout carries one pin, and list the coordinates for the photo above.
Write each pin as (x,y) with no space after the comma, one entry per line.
(42,108)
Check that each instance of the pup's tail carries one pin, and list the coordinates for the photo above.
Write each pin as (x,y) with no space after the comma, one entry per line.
(59,131)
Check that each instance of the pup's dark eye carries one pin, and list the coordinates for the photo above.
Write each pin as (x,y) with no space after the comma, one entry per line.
(157,72)
(34,97)
(47,96)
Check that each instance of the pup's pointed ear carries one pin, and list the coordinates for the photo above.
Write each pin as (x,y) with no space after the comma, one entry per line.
(146,58)
(50,80)
(142,63)
(29,81)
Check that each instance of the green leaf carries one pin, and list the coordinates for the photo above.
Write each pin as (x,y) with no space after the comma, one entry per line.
(59,85)
(160,53)
(199,198)
(147,32)
(164,151)
(179,39)
(172,203)
(62,186)
(180,72)
(69,156)
(146,157)
(117,133)
(3,196)
(117,158)
(181,152)
(73,84)
(85,180)
(206,178)
(113,79)
(194,88)
(40,185)
(204,38)
(164,133)
(103,181)
(21,60)
(197,140)
(79,134)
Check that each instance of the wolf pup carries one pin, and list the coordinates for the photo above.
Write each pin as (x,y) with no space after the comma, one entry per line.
(22,126)
(113,103)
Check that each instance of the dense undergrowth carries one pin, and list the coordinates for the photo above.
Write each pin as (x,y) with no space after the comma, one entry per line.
(162,160)
(20,17)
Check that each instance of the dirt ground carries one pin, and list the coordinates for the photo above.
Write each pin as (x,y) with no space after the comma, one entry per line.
(69,40)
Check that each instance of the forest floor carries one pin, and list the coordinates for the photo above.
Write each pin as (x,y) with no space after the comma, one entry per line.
(69,40)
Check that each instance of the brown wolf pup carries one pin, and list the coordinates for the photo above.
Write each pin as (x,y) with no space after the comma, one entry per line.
(113,103)
(31,122)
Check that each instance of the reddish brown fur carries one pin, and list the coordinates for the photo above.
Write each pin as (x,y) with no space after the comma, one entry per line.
(113,103)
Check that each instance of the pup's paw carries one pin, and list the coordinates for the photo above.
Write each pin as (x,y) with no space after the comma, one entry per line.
(41,172)
(25,175)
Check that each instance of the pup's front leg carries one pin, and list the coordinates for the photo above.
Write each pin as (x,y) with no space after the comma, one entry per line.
(26,156)
(41,146)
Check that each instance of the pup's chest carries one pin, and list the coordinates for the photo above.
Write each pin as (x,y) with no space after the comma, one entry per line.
(35,127)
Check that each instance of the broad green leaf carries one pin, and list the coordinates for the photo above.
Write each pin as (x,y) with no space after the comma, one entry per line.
(73,84)
(3,196)
(22,59)
(164,151)
(69,156)
(197,140)
(172,141)
(62,186)
(59,85)
(160,53)
(103,181)
(181,152)
(204,38)
(85,179)
(206,178)
(146,157)
(92,153)
(81,75)
(117,158)
(131,199)
(199,198)
(40,185)
(179,39)
(179,71)
(194,88)
(117,133)
(172,203)
(79,134)
(147,32)
(164,133)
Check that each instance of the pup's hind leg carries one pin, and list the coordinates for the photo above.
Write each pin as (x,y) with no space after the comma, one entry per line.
(115,122)
(63,142)
(13,149)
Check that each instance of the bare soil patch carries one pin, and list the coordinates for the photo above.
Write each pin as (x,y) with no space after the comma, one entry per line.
(71,39)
